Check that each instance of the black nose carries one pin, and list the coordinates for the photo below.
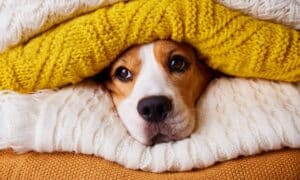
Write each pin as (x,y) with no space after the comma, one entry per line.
(154,108)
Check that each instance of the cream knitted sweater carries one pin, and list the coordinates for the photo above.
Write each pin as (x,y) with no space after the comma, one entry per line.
(236,117)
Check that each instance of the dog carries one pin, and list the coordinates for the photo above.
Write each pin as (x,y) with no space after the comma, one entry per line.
(155,88)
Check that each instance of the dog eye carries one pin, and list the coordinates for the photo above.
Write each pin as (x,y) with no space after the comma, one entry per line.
(177,63)
(123,74)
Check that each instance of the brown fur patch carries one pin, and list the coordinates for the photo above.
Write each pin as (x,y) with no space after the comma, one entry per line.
(190,83)
(130,60)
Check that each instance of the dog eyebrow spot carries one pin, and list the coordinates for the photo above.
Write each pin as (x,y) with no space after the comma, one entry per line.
(124,60)
(171,52)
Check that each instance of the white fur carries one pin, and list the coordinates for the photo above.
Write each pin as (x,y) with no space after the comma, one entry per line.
(238,117)
(152,80)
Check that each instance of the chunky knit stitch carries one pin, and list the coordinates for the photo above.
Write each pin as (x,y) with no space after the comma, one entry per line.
(282,11)
(21,20)
(226,128)
(39,16)
(233,43)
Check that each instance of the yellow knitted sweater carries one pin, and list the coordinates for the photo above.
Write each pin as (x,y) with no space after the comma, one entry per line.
(232,42)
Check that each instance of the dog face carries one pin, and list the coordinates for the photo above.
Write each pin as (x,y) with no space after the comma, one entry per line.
(155,88)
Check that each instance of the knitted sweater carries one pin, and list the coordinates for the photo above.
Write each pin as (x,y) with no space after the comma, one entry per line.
(32,17)
(39,16)
(231,42)
(236,117)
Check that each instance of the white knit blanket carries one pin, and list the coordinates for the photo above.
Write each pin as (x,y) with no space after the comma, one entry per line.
(23,19)
(237,117)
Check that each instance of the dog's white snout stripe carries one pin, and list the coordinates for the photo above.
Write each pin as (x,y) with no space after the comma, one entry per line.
(152,80)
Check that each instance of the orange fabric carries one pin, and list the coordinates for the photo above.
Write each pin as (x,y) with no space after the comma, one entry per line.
(283,164)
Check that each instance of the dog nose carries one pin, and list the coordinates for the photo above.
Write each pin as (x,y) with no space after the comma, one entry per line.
(154,108)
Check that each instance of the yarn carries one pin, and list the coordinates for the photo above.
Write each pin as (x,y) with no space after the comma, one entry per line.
(21,20)
(283,164)
(39,16)
(282,11)
(236,117)
(233,43)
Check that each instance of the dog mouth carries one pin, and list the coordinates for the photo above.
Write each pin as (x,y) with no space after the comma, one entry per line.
(160,138)
(178,124)
(168,136)
(172,131)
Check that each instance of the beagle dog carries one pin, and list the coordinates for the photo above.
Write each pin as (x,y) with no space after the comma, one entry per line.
(155,87)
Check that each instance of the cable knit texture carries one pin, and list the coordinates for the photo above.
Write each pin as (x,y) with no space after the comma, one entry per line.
(18,24)
(233,43)
(282,11)
(236,117)
(21,20)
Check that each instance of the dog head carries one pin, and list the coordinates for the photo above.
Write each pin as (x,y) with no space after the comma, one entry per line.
(155,88)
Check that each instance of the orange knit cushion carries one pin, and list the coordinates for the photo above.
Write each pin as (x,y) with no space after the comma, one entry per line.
(283,164)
